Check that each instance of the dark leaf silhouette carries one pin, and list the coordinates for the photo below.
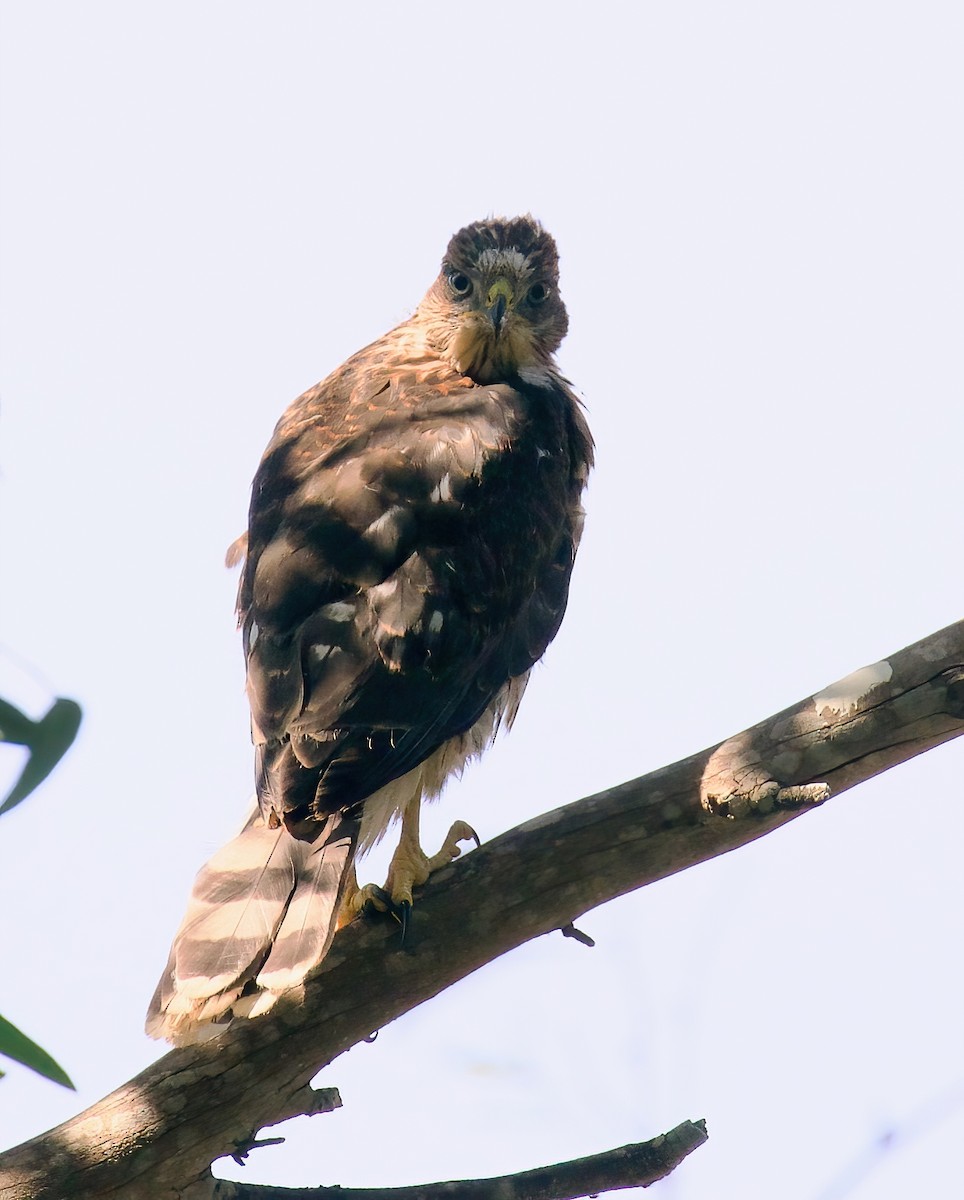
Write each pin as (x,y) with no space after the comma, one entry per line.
(48,740)
(16,1045)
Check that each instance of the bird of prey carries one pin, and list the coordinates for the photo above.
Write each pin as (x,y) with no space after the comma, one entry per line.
(411,536)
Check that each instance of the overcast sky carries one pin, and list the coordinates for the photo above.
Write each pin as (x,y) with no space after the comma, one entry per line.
(205,208)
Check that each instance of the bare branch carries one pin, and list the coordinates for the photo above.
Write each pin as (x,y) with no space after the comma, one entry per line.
(157,1135)
(637,1165)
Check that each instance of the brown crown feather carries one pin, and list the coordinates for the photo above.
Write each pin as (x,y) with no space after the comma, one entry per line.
(524,234)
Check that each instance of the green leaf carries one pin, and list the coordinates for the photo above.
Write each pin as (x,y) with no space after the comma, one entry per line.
(48,740)
(15,726)
(21,1049)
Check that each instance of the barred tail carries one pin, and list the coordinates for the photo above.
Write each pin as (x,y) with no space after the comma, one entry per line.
(261,916)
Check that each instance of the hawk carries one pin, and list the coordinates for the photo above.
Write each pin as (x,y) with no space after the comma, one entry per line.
(411,536)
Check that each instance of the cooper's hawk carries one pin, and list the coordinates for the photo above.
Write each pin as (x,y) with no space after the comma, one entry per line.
(411,535)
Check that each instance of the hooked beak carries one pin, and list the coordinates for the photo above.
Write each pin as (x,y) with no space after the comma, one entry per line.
(497,302)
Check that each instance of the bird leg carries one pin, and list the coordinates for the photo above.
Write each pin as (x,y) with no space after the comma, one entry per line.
(410,868)
(352,900)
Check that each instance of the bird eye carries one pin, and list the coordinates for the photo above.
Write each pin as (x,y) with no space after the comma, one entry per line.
(460,283)
(538,293)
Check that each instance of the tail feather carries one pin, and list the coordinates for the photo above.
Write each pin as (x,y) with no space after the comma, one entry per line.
(261,916)
(303,937)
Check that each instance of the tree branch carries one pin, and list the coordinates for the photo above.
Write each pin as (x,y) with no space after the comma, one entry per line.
(157,1134)
(637,1165)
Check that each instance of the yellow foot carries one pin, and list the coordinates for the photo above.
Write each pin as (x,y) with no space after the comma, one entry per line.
(352,901)
(363,899)
(411,866)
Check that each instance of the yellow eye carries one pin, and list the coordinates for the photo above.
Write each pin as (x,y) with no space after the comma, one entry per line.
(460,283)
(538,293)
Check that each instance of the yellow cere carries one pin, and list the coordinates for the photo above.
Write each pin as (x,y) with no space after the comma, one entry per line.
(501,287)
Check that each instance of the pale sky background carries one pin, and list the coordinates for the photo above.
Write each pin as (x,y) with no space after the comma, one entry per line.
(206,207)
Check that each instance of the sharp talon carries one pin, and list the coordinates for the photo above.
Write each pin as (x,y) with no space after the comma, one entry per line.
(402,913)
(461,831)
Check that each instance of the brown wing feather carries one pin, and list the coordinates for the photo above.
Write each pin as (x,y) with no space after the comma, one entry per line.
(408,573)
(411,536)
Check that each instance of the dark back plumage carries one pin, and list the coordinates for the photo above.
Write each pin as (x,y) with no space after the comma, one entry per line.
(412,531)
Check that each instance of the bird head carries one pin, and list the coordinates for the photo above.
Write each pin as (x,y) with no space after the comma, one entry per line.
(495,308)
